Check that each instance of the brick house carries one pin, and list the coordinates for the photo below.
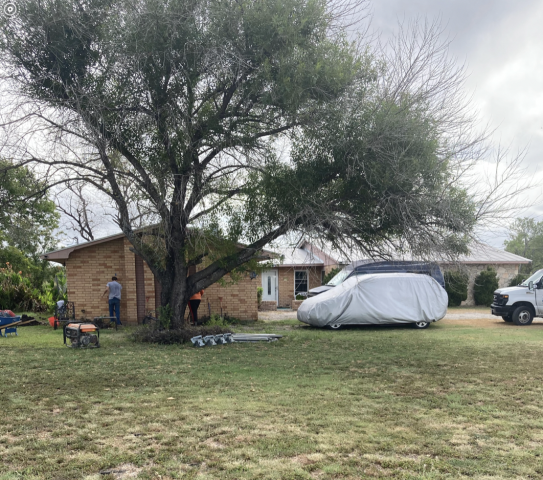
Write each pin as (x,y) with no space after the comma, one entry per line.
(90,265)
(308,257)
(297,271)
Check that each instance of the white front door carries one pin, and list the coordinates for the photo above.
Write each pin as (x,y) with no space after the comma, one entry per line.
(269,286)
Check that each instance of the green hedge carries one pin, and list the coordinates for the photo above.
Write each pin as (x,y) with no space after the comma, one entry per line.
(456,284)
(485,284)
(517,279)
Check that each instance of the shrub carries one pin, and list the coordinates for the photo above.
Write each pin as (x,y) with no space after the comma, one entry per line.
(456,285)
(259,292)
(485,284)
(517,279)
(17,291)
(218,321)
(177,336)
(331,274)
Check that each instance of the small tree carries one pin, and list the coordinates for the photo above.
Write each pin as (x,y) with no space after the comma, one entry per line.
(456,284)
(485,284)
(517,279)
(331,274)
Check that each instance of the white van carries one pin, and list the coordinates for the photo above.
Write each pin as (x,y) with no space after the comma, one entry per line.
(522,303)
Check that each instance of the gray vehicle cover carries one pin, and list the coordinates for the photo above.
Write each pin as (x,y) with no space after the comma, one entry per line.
(377,299)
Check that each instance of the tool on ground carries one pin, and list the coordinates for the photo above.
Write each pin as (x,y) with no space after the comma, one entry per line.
(255,337)
(209,340)
(82,335)
(198,341)
(212,340)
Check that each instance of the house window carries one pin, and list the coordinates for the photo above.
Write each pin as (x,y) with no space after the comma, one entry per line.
(300,282)
(269,285)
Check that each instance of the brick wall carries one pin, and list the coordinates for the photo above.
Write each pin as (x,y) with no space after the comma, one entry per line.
(267,306)
(88,271)
(285,281)
(239,299)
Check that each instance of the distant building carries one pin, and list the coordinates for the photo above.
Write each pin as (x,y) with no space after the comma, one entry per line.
(302,266)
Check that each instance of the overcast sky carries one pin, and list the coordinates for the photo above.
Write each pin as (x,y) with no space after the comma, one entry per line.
(501,43)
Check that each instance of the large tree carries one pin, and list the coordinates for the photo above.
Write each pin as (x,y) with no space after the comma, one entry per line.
(28,217)
(215,122)
(526,239)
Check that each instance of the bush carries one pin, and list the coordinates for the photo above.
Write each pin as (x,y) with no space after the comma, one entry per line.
(259,292)
(17,291)
(176,336)
(517,279)
(485,284)
(218,321)
(331,274)
(456,285)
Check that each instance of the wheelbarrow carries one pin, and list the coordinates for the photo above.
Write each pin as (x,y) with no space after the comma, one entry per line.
(9,325)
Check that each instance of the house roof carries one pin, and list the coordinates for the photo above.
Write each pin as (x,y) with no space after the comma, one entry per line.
(298,257)
(479,253)
(64,253)
(483,253)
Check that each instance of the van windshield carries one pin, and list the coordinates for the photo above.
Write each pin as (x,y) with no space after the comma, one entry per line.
(339,277)
(534,278)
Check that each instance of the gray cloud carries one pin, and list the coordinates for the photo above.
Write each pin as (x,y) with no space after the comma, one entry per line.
(500,43)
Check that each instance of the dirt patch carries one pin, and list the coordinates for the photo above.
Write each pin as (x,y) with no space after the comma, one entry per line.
(126,470)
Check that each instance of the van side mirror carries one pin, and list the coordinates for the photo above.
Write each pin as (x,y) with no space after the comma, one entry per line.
(530,285)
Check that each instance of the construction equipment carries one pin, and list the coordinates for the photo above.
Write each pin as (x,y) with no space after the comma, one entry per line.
(82,335)
(64,313)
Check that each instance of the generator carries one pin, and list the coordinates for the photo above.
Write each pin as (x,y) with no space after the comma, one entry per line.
(82,335)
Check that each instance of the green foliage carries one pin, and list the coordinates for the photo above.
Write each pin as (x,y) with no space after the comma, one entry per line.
(518,279)
(165,316)
(485,285)
(217,321)
(526,240)
(259,293)
(331,274)
(301,297)
(456,285)
(27,217)
(17,291)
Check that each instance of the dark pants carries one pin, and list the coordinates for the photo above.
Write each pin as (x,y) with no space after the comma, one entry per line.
(115,306)
(193,307)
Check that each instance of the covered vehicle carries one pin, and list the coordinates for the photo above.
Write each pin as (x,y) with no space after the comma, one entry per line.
(365,267)
(377,299)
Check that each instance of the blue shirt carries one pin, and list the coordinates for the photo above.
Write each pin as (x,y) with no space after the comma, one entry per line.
(114,290)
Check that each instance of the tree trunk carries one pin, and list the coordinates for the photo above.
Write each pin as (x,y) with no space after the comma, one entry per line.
(174,294)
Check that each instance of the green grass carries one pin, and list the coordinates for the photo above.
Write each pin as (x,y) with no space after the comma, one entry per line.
(447,402)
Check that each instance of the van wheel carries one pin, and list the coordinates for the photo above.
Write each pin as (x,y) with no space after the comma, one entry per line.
(523,316)
(507,318)
(335,326)
(421,325)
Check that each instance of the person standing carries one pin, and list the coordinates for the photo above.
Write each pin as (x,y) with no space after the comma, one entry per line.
(194,303)
(113,289)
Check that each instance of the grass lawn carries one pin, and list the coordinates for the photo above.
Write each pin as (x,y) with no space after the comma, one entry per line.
(447,402)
